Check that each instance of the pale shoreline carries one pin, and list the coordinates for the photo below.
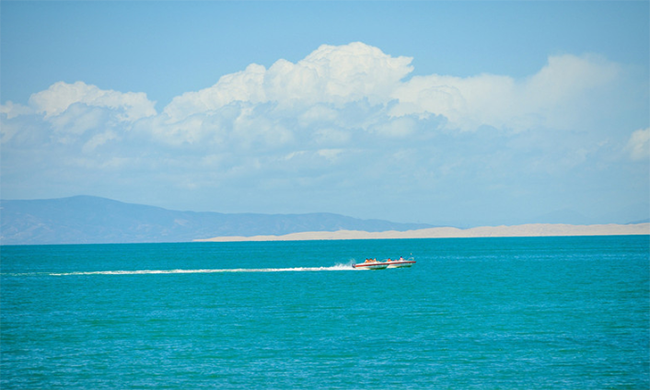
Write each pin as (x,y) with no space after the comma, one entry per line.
(530,230)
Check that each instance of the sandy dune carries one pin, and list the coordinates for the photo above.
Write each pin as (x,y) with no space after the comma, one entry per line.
(532,230)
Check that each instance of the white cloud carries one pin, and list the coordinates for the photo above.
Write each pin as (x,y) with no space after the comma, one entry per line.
(639,144)
(324,99)
(60,96)
(338,74)
(544,99)
(67,112)
(330,74)
(244,86)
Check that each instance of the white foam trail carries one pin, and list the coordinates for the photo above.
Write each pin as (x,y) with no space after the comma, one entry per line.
(338,267)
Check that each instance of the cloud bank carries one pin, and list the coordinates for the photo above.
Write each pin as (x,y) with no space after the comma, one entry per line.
(344,117)
(321,86)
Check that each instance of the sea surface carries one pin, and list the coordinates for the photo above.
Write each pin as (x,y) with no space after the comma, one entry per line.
(473,313)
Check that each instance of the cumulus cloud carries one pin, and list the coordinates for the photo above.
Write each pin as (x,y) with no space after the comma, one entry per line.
(330,94)
(60,96)
(542,99)
(347,114)
(639,144)
(70,110)
(331,74)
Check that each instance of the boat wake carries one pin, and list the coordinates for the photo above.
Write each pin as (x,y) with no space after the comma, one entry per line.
(338,267)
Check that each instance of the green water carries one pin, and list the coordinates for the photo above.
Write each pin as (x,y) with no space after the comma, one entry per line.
(497,313)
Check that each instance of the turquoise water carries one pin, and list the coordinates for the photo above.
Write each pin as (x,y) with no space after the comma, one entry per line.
(495,313)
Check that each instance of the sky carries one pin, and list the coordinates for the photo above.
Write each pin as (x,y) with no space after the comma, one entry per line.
(448,113)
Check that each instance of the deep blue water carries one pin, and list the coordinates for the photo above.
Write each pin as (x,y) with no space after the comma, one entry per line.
(491,313)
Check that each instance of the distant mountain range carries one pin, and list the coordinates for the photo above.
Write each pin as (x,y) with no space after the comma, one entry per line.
(88,219)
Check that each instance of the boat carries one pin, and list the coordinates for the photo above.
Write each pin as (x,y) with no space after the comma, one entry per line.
(371,264)
(401,263)
(374,264)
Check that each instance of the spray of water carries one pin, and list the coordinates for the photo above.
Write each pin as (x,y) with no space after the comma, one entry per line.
(338,267)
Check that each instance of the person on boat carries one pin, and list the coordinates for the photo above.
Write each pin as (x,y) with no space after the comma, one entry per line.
(401,258)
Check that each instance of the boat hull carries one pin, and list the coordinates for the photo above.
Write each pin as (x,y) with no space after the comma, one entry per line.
(383,265)
(371,266)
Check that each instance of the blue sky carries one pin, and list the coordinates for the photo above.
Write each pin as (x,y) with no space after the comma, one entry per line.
(460,113)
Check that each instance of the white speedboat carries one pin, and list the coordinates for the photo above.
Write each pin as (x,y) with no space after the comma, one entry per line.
(401,263)
(374,264)
(371,264)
